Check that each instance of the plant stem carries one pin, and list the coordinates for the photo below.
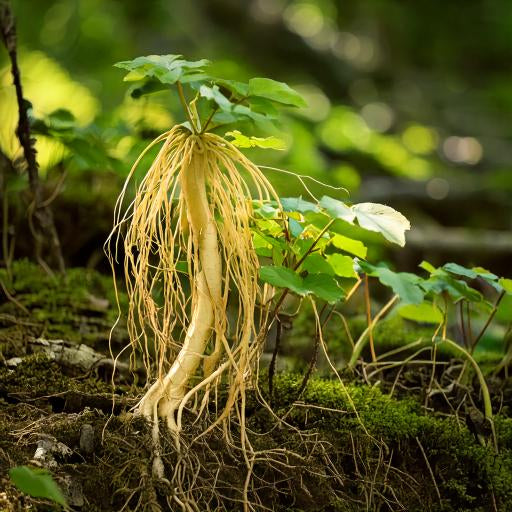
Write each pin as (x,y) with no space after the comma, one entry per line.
(184,104)
(486,397)
(360,343)
(462,324)
(489,320)
(369,317)
(210,117)
(314,358)
(272,366)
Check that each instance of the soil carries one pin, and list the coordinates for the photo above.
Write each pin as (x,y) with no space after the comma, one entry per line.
(384,442)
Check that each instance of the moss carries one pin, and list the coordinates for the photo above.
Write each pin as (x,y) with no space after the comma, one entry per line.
(76,306)
(37,376)
(467,473)
(384,460)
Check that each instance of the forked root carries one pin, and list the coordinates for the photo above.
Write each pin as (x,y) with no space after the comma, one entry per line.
(193,206)
(165,396)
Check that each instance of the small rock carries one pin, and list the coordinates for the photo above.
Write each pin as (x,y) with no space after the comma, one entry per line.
(74,492)
(13,362)
(47,448)
(87,439)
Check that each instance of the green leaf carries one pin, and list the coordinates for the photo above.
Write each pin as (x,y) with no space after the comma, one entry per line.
(474,273)
(266,210)
(324,287)
(37,483)
(426,313)
(61,119)
(297,204)
(263,106)
(240,113)
(407,286)
(425,265)
(295,227)
(270,226)
(355,247)
(182,266)
(317,264)
(261,245)
(454,268)
(239,89)
(506,284)
(282,277)
(343,265)
(337,209)
(168,69)
(440,281)
(149,87)
(243,141)
(275,91)
(214,94)
(383,219)
(485,274)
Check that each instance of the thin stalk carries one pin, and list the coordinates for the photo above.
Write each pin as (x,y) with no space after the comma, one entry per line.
(210,117)
(361,342)
(486,397)
(353,290)
(468,319)
(184,104)
(314,244)
(489,320)
(462,324)
(312,363)
(272,366)
(369,317)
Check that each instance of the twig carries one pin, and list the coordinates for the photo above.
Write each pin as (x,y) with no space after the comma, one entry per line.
(272,366)
(314,358)
(429,467)
(184,104)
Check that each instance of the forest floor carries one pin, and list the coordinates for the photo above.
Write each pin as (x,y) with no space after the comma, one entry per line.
(389,445)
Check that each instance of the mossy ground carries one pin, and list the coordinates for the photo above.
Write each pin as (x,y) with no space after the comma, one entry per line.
(79,306)
(348,447)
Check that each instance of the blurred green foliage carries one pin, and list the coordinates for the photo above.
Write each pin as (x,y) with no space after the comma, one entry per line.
(407,106)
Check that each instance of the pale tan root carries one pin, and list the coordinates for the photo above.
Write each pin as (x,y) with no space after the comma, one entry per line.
(164,397)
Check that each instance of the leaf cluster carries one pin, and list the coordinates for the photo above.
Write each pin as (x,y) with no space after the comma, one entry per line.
(305,249)
(231,101)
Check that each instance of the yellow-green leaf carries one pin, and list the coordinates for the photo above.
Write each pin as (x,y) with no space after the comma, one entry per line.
(426,313)
(243,141)
(355,247)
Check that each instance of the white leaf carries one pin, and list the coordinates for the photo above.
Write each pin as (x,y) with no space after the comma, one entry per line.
(383,219)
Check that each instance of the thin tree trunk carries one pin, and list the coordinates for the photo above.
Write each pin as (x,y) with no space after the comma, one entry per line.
(45,233)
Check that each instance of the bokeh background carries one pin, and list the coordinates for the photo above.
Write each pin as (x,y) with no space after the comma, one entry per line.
(410,104)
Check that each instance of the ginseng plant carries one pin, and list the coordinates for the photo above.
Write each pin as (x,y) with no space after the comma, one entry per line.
(187,240)
(205,234)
